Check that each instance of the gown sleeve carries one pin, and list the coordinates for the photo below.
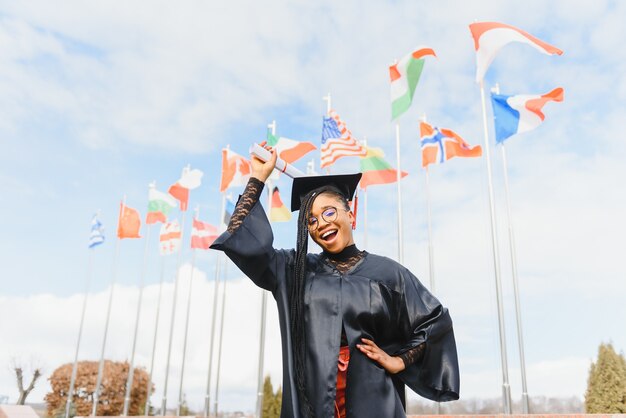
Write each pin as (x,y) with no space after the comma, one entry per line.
(248,243)
(435,374)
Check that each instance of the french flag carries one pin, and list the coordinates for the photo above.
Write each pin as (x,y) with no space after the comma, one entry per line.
(490,37)
(520,113)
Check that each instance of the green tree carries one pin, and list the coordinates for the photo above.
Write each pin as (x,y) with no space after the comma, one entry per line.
(271,401)
(606,386)
(278,401)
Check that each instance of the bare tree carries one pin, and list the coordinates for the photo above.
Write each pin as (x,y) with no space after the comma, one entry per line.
(19,374)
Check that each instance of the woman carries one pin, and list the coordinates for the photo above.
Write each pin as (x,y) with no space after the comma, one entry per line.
(355,327)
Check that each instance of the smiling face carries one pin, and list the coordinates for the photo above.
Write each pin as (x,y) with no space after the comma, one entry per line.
(332,235)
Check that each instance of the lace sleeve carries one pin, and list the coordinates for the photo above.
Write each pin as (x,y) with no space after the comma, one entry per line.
(250,196)
(411,356)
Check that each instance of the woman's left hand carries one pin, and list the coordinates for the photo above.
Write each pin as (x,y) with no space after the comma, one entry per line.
(392,364)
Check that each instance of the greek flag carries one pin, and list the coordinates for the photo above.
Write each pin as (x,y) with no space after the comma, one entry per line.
(97,236)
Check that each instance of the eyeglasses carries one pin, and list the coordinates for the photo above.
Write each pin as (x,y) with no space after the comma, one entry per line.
(329,215)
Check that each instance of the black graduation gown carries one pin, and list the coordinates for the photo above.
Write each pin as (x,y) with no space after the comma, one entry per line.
(377,299)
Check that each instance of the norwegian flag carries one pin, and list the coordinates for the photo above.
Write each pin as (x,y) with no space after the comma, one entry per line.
(337,141)
(439,145)
(202,235)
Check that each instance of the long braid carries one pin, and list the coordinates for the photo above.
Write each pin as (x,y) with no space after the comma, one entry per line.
(296,297)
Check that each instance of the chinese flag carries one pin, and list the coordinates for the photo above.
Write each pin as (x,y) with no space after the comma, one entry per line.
(129,223)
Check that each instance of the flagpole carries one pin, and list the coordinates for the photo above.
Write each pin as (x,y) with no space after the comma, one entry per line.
(310,168)
(207,397)
(431,250)
(176,280)
(261,361)
(327,99)
(129,380)
(108,316)
(506,389)
(513,252)
(219,349)
(154,339)
(431,256)
(70,393)
(182,367)
(398,178)
(365,206)
(518,315)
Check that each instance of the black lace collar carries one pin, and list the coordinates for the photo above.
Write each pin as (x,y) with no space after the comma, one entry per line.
(345,254)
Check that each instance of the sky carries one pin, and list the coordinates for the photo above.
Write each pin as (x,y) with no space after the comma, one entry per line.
(100,99)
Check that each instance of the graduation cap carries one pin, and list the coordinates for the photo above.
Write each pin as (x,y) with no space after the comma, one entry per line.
(345,183)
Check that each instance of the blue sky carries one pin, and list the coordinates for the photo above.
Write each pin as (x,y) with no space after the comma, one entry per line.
(99,100)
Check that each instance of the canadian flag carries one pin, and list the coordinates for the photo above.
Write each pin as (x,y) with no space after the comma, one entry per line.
(235,170)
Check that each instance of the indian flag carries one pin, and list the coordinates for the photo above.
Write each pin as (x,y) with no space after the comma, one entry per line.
(288,149)
(278,211)
(376,170)
(159,206)
(404,77)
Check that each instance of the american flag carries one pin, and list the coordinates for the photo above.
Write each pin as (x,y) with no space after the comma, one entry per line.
(337,141)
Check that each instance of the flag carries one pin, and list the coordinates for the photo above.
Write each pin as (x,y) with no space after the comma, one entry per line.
(520,113)
(288,149)
(337,141)
(129,223)
(439,145)
(228,209)
(169,238)
(96,237)
(159,206)
(490,37)
(405,75)
(278,211)
(202,235)
(189,180)
(376,170)
(235,170)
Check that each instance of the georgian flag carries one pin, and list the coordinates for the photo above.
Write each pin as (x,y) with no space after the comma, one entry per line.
(169,238)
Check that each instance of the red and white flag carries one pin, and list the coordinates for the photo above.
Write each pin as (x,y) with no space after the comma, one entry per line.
(202,235)
(189,180)
(235,170)
(490,37)
(169,239)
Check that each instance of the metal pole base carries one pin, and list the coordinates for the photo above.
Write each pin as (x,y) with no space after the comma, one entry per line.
(525,404)
(506,397)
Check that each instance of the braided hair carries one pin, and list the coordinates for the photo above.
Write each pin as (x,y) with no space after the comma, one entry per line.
(296,293)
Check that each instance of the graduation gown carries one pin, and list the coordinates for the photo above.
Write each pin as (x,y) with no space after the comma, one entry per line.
(377,299)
